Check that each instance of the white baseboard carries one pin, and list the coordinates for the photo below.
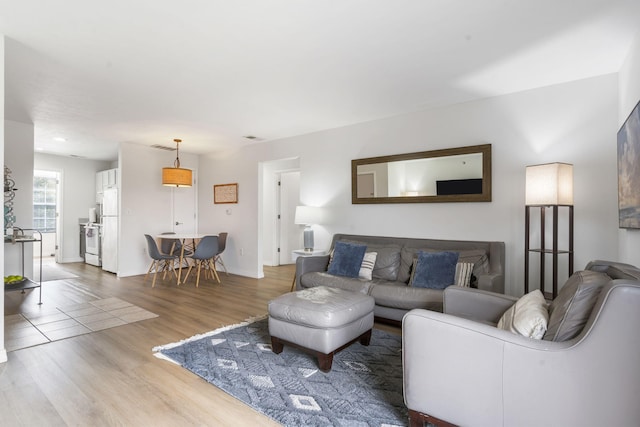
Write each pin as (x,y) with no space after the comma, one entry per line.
(76,259)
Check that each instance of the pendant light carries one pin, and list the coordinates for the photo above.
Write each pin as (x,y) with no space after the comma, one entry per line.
(176,176)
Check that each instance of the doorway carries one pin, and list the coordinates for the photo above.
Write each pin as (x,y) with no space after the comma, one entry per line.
(280,194)
(288,233)
(46,213)
(184,208)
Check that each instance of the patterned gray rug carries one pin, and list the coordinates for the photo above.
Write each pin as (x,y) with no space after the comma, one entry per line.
(364,387)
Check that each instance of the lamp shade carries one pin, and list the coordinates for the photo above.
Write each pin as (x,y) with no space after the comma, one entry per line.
(307,215)
(549,184)
(176,177)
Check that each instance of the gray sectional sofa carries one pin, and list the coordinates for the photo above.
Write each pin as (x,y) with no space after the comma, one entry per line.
(389,285)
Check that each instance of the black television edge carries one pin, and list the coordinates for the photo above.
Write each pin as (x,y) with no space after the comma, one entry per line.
(459,186)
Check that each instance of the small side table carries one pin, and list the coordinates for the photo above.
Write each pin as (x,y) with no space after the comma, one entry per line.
(302,252)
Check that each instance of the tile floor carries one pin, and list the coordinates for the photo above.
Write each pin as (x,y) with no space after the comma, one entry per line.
(26,330)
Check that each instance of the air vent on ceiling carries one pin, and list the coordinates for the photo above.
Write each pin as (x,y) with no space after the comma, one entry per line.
(163,147)
(75,156)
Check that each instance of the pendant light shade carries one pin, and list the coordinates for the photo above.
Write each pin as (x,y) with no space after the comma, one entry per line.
(176,176)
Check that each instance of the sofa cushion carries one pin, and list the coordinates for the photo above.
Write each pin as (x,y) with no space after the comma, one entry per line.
(398,295)
(571,309)
(347,259)
(316,278)
(366,268)
(435,270)
(527,317)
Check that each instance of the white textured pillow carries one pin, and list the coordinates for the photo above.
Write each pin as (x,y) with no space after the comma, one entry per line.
(366,269)
(527,317)
(463,273)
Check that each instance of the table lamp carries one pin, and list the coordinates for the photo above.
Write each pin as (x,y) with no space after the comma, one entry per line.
(307,216)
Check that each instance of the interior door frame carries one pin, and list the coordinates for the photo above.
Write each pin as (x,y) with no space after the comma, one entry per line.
(59,235)
(279,214)
(193,188)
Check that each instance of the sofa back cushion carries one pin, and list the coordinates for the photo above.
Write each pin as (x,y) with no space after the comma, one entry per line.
(571,309)
(387,262)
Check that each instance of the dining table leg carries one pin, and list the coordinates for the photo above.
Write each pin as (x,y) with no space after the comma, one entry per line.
(181,260)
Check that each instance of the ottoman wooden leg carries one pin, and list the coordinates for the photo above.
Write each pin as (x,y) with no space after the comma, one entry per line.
(325,361)
(276,345)
(365,338)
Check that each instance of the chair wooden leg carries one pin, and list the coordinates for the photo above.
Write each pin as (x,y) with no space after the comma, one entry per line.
(149,270)
(198,274)
(155,275)
(186,277)
(164,270)
(215,272)
(224,267)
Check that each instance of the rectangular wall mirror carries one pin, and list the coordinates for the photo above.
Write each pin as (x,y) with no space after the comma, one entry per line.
(461,174)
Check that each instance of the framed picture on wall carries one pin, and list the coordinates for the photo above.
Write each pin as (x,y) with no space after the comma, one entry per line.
(629,171)
(225,193)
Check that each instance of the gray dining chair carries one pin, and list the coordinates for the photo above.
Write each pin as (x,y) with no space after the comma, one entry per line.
(160,262)
(203,257)
(222,244)
(173,246)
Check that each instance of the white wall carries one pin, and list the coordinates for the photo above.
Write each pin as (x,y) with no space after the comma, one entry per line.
(145,205)
(18,156)
(629,95)
(78,189)
(3,351)
(573,122)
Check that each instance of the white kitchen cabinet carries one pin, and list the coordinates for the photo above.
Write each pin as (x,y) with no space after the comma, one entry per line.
(105,179)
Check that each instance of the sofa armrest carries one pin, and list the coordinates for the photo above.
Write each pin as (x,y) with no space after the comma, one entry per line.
(476,304)
(307,264)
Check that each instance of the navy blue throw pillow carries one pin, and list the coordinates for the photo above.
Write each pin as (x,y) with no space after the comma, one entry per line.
(347,259)
(434,270)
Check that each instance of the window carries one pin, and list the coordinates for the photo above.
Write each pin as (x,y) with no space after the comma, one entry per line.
(45,184)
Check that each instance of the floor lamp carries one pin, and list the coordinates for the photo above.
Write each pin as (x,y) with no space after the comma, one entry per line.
(548,186)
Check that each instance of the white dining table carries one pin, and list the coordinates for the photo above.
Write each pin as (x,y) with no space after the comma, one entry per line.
(183,237)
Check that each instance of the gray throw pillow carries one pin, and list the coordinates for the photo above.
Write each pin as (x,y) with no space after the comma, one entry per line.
(571,309)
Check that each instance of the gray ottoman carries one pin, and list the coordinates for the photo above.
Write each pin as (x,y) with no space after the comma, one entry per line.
(321,320)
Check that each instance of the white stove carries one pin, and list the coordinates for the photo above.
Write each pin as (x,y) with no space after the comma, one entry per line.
(93,249)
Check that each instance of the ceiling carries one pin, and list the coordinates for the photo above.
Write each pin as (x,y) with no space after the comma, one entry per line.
(213,72)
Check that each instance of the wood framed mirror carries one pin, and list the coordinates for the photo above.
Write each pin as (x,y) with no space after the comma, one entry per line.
(461,174)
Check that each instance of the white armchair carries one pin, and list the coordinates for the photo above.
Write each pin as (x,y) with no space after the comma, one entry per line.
(467,372)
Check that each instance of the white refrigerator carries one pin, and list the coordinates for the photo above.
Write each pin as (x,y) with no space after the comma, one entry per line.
(109,221)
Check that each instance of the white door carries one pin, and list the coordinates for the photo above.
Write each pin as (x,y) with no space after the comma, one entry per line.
(184,209)
(289,233)
(366,185)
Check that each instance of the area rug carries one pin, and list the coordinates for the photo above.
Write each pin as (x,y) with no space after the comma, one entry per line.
(363,388)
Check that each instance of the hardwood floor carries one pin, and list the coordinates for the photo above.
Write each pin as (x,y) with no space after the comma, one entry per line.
(111,377)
